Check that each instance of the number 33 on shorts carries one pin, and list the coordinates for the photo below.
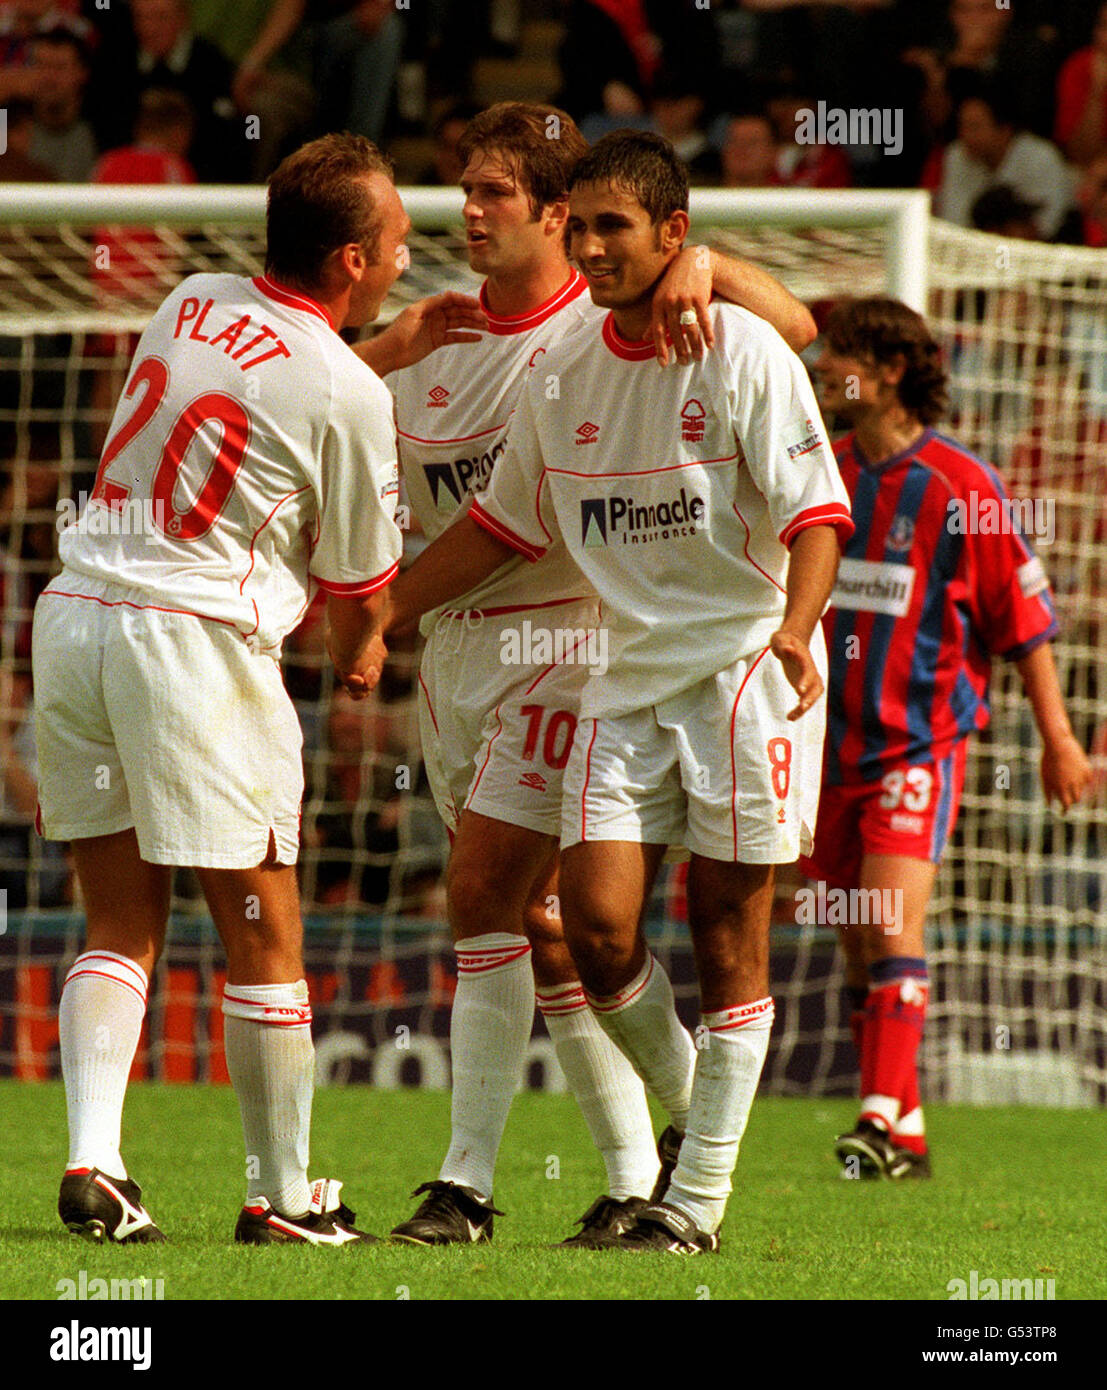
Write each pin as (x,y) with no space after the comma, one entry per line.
(907,787)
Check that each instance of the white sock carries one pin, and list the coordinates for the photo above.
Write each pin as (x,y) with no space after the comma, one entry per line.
(642,1021)
(727,1072)
(489,1030)
(271,1061)
(608,1090)
(100,1018)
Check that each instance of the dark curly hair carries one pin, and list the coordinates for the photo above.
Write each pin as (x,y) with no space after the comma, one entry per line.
(879,330)
(642,163)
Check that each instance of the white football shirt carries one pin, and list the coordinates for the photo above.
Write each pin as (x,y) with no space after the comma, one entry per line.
(677,492)
(452,414)
(251,453)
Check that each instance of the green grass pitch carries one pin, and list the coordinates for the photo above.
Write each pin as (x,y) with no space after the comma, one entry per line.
(1013,1197)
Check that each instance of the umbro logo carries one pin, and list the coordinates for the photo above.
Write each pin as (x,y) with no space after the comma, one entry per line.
(534,780)
(586,433)
(437,398)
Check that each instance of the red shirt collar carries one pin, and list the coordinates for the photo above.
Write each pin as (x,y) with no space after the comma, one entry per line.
(293,299)
(640,351)
(502,324)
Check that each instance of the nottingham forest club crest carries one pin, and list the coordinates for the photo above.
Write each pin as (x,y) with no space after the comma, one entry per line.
(692,416)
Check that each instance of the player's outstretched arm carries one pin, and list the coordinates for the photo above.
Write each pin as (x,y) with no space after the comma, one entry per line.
(689,283)
(461,558)
(355,639)
(421,328)
(812,568)
(1066,771)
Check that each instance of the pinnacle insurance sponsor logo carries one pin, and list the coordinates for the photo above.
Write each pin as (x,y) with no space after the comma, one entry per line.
(621,521)
(451,483)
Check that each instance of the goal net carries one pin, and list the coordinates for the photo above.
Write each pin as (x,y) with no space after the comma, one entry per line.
(1017,928)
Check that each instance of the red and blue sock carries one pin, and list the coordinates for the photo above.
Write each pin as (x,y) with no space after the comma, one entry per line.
(895,1011)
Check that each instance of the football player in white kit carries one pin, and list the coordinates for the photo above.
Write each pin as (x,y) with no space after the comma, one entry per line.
(251,457)
(703,505)
(497,716)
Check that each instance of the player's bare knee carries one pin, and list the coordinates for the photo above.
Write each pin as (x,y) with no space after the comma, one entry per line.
(542,924)
(604,955)
(477,901)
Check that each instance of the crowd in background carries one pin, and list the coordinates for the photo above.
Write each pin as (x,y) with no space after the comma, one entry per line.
(1002,114)
(1003,106)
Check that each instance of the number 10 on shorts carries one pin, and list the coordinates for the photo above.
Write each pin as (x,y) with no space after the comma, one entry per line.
(557,741)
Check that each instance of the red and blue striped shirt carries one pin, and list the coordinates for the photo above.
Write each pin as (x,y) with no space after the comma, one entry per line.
(936,580)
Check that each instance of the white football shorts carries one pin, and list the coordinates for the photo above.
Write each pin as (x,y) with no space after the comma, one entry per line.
(499,695)
(164,721)
(717,768)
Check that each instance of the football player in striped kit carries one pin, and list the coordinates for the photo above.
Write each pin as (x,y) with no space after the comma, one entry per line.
(936,582)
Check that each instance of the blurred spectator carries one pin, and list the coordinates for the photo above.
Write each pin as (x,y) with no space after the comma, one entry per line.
(990,149)
(613,52)
(985,44)
(16,164)
(1080,127)
(161,51)
(677,111)
(609,57)
(1092,199)
(1001,211)
(805,166)
(749,154)
(136,264)
(282,97)
(21,21)
(446,167)
(356,55)
(841,47)
(163,133)
(62,139)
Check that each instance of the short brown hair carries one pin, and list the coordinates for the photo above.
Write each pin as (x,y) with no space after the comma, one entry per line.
(318,202)
(883,329)
(542,143)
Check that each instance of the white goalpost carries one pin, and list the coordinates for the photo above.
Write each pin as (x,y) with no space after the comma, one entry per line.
(1019,922)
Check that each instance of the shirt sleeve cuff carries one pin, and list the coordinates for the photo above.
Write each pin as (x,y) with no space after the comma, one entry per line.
(831,514)
(503,533)
(360,587)
(1032,644)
